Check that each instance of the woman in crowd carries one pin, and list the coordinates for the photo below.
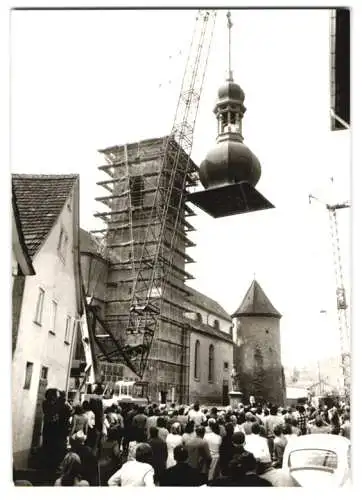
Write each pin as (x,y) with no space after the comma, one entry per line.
(71,472)
(173,439)
(79,421)
(137,472)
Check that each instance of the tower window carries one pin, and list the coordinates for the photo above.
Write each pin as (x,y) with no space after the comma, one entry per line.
(258,359)
(136,186)
(211,363)
(197,360)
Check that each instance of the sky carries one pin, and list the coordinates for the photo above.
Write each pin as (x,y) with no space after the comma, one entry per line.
(85,80)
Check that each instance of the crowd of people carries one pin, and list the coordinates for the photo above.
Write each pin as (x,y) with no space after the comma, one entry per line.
(166,445)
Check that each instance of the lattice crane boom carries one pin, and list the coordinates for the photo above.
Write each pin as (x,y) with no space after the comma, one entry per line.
(342,307)
(132,345)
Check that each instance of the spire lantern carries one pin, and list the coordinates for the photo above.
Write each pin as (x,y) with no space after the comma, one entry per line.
(230,170)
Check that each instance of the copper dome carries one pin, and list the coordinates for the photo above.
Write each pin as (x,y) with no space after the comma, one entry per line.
(231,90)
(229,162)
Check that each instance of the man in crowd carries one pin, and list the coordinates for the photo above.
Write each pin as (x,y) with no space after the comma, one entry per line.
(159,453)
(181,474)
(196,415)
(257,445)
(199,456)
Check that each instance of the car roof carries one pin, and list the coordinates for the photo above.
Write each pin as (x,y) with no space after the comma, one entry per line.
(319,441)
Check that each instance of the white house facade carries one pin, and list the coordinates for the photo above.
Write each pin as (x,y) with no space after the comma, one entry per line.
(51,301)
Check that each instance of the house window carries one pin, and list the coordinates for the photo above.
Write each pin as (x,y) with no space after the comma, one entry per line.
(67,330)
(53,317)
(39,307)
(136,186)
(197,360)
(198,317)
(211,363)
(28,375)
(44,373)
(62,243)
(216,324)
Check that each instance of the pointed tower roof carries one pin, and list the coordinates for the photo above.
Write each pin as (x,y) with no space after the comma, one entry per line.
(256,303)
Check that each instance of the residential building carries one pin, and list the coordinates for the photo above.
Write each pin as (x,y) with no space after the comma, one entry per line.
(46,209)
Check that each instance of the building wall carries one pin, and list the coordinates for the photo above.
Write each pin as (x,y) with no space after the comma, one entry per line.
(35,344)
(201,389)
(258,358)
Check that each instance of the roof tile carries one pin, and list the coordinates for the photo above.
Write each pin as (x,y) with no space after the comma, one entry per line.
(40,199)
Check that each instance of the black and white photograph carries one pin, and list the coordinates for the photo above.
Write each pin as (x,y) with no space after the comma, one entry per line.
(181,247)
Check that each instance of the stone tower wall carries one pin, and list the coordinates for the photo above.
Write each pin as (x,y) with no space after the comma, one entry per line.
(258,358)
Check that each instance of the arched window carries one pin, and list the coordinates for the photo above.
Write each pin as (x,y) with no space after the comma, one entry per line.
(217,324)
(211,363)
(231,330)
(198,317)
(197,360)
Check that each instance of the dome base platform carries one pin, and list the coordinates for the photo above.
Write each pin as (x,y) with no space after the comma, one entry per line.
(230,199)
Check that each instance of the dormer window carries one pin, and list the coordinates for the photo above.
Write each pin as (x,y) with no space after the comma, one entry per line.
(198,317)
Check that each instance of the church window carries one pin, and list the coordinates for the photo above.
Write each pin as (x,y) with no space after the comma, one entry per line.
(216,324)
(211,363)
(197,360)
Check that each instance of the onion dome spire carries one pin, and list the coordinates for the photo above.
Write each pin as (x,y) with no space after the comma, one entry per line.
(230,161)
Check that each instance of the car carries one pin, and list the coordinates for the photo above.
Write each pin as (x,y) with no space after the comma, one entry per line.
(318,460)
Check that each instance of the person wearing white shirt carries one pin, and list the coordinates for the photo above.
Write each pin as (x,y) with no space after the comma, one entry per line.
(213,439)
(196,415)
(257,445)
(137,472)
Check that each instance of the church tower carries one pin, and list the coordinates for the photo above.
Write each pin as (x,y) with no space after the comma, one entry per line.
(141,221)
(257,356)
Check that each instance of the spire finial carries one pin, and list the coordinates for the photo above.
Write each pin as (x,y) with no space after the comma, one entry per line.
(230,24)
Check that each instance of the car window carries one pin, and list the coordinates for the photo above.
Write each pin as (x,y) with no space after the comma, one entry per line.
(310,458)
